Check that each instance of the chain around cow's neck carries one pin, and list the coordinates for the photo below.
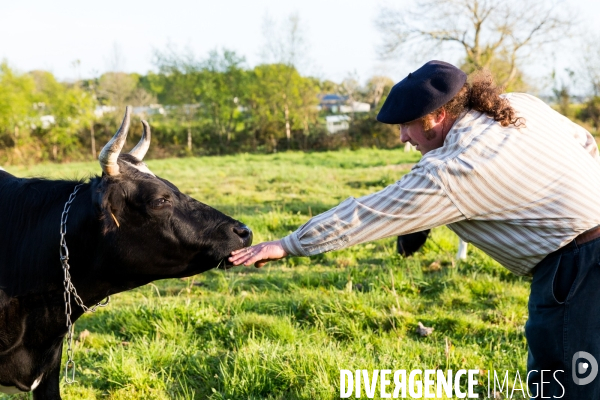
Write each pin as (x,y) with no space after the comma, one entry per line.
(70,289)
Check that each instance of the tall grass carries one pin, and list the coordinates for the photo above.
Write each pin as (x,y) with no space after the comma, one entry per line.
(285,331)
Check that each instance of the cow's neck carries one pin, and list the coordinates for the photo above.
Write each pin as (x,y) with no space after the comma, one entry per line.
(82,233)
(92,273)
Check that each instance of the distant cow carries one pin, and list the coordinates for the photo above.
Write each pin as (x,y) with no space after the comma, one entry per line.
(410,243)
(124,229)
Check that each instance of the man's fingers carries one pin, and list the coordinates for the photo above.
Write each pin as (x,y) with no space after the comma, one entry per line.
(241,259)
(237,257)
(258,255)
(252,259)
(242,255)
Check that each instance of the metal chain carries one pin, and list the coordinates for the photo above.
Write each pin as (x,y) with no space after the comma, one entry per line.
(70,288)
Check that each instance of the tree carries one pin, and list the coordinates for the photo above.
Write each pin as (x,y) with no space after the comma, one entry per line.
(268,114)
(562,91)
(591,112)
(287,47)
(590,65)
(177,84)
(16,110)
(208,90)
(376,87)
(285,44)
(16,101)
(353,91)
(492,34)
(223,87)
(71,109)
(591,72)
(116,89)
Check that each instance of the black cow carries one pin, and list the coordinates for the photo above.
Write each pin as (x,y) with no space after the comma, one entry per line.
(123,230)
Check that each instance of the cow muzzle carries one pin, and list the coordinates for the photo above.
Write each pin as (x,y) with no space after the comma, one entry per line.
(244,233)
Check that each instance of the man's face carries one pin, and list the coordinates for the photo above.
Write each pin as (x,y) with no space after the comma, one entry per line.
(425,140)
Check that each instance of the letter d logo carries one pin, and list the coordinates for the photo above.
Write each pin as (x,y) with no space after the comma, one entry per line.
(582,367)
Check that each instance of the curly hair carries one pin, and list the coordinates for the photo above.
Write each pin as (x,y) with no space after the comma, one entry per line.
(480,94)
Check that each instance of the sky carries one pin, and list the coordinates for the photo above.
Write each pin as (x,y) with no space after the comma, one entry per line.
(80,39)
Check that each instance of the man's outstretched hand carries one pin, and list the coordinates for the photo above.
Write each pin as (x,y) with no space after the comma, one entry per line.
(259,254)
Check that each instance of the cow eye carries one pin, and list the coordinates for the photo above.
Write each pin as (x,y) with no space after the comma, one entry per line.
(159,203)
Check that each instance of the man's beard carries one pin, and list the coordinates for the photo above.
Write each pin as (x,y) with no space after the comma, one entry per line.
(428,131)
(429,134)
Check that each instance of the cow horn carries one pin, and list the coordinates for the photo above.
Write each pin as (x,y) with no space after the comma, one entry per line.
(140,149)
(110,153)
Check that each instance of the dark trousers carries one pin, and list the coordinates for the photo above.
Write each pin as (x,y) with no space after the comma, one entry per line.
(563,330)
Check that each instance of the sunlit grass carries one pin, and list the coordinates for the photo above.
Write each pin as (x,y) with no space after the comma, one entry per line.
(285,331)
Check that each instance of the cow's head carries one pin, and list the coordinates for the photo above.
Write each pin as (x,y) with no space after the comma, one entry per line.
(152,228)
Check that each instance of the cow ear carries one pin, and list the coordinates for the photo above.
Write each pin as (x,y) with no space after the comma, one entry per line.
(111,205)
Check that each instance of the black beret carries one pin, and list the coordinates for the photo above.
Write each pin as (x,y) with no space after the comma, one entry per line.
(421,92)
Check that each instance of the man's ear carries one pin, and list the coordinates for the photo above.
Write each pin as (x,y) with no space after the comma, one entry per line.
(439,117)
(438,121)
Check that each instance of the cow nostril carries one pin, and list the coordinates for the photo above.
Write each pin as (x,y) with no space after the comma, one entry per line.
(244,233)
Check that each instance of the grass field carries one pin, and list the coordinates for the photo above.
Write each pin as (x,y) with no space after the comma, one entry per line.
(286,330)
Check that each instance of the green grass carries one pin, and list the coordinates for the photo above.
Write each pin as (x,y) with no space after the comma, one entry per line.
(285,331)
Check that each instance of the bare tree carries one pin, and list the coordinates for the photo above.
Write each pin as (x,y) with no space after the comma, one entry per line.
(376,87)
(116,59)
(141,97)
(116,88)
(589,73)
(353,91)
(119,89)
(493,34)
(591,63)
(76,65)
(286,45)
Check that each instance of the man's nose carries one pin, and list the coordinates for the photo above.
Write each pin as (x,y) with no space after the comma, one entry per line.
(404,135)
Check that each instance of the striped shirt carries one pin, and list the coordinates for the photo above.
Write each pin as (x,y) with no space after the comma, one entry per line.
(518,194)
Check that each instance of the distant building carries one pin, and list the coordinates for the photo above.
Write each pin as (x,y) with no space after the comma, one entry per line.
(336,123)
(355,106)
(152,109)
(331,102)
(101,110)
(339,104)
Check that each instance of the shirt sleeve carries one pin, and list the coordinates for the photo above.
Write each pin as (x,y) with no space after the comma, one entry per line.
(415,203)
